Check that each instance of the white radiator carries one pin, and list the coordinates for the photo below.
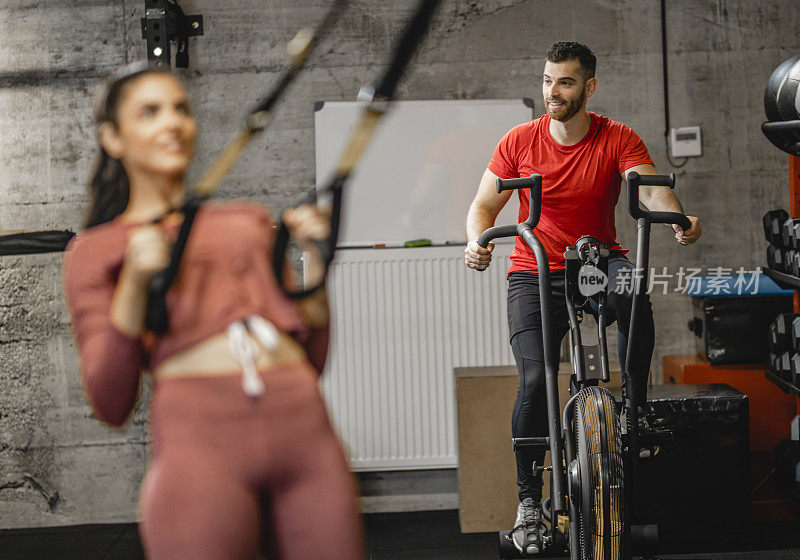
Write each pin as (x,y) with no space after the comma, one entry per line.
(402,320)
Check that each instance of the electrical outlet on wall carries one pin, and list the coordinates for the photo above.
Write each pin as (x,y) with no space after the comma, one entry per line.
(685,141)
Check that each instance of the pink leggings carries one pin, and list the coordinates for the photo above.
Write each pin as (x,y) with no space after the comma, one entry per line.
(233,477)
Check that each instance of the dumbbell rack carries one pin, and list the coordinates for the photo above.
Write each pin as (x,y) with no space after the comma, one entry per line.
(784,280)
(785,386)
(790,282)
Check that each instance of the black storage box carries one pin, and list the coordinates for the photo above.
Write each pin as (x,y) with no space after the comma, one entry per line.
(696,488)
(734,330)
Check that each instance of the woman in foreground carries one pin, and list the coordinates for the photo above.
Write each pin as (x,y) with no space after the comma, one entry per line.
(244,461)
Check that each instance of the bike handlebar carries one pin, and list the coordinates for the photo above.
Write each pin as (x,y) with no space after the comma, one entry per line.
(534,183)
(494,233)
(635,180)
(520,183)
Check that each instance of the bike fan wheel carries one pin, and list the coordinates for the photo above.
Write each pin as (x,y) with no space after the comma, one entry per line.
(600,460)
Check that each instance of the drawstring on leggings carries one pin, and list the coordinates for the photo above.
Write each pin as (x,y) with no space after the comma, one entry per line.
(244,349)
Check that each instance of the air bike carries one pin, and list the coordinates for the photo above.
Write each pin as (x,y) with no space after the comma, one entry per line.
(595,443)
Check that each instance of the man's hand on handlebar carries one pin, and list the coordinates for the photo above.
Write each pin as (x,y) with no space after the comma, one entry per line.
(690,235)
(476,256)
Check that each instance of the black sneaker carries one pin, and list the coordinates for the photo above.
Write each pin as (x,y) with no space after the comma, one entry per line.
(527,531)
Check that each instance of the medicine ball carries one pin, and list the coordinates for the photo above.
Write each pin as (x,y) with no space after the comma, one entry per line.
(781,103)
(788,102)
(774,86)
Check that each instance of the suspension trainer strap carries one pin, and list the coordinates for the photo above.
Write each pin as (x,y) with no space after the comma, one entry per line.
(300,48)
(156,318)
(383,95)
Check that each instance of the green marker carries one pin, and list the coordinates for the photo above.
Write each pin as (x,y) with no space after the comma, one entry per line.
(418,243)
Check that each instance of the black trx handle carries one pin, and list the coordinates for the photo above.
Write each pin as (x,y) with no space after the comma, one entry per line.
(325,248)
(359,140)
(300,47)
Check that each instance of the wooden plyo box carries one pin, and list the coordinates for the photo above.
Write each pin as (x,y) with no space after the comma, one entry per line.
(487,471)
(487,474)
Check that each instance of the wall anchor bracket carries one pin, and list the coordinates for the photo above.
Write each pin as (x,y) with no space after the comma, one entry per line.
(165,23)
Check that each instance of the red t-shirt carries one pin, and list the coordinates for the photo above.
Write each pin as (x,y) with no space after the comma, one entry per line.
(580,183)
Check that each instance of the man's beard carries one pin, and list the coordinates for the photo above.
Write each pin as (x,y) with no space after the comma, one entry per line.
(568,110)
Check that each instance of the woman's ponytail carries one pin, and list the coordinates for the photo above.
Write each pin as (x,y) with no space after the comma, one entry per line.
(109,188)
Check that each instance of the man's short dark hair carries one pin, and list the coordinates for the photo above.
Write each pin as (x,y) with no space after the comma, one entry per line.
(570,50)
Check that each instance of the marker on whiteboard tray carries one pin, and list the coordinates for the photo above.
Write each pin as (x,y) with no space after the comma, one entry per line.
(418,243)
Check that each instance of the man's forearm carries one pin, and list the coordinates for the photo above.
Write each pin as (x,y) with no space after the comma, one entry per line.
(478,221)
(662,199)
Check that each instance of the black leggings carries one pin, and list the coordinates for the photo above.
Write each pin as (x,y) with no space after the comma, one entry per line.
(525,326)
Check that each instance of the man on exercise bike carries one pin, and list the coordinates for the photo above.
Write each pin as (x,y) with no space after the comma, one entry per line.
(582,157)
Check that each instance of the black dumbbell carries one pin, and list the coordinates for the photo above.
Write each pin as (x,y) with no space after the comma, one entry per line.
(792,262)
(775,258)
(780,333)
(785,366)
(794,237)
(794,370)
(775,339)
(772,224)
(775,363)
(786,231)
(794,334)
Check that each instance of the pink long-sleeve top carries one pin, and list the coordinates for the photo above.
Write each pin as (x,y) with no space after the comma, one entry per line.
(225,275)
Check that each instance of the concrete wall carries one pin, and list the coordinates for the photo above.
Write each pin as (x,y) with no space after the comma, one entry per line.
(58,465)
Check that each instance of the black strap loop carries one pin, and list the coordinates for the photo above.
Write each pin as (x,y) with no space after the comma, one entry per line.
(325,248)
(181,27)
(156,318)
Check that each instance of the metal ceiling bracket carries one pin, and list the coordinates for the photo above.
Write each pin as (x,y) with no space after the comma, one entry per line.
(166,23)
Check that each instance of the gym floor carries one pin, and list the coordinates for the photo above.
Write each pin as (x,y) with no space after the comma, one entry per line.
(431,535)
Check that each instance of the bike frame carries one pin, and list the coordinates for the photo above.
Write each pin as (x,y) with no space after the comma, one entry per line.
(558,502)
(565,448)
(644,219)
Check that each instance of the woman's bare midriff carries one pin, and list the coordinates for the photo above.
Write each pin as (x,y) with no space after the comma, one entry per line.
(212,356)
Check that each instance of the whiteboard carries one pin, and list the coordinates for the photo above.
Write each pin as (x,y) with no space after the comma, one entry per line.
(421,171)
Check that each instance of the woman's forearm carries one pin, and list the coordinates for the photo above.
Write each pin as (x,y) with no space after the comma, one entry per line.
(315,309)
(129,306)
